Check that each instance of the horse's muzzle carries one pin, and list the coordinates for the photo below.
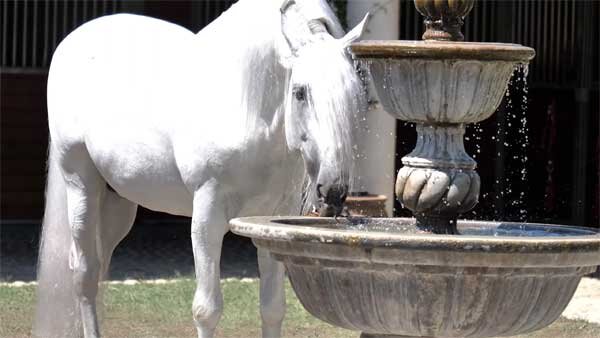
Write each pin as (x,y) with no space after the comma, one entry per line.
(333,199)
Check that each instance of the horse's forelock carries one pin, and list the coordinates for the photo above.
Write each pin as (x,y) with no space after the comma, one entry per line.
(336,95)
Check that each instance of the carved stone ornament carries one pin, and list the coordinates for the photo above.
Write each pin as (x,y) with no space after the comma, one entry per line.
(444,18)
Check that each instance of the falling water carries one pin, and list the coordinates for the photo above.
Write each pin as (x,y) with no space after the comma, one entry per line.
(512,143)
(517,120)
(477,135)
(506,139)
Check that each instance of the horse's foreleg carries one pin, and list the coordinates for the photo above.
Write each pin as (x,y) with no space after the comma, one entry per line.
(84,191)
(272,294)
(116,218)
(209,225)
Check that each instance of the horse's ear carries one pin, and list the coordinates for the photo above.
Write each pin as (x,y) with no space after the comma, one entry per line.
(356,32)
(286,4)
(290,25)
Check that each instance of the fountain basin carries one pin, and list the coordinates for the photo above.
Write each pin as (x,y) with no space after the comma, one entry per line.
(440,82)
(385,277)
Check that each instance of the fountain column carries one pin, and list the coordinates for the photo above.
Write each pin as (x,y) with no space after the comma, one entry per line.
(438,180)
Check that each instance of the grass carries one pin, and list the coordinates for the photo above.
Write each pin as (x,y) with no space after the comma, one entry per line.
(163,311)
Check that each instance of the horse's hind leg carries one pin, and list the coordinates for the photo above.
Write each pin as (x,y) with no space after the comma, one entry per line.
(85,188)
(116,218)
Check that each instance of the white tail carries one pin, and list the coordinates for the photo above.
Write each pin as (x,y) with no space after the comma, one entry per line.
(57,314)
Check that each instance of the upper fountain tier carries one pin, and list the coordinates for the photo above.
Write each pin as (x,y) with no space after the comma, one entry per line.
(440,82)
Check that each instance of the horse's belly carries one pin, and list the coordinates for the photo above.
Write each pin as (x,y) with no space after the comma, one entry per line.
(157,196)
(139,166)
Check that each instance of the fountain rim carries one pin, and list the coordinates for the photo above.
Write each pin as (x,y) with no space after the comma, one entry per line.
(268,228)
(441,50)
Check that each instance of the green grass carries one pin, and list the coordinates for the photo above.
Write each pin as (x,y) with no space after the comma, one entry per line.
(164,310)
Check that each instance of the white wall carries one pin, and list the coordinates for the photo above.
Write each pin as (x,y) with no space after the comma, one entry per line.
(377,137)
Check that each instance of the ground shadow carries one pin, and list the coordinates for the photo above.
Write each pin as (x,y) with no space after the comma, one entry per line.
(150,251)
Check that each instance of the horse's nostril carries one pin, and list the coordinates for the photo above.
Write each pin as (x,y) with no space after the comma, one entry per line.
(319,193)
(335,195)
(344,195)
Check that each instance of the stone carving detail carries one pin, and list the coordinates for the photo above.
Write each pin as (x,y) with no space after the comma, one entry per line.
(440,91)
(440,147)
(437,191)
(444,18)
(438,178)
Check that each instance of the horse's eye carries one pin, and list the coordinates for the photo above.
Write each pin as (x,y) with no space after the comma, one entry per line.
(300,93)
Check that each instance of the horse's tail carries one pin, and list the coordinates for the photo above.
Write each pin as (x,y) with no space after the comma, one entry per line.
(57,314)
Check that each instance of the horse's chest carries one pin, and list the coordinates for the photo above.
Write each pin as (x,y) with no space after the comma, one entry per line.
(272,188)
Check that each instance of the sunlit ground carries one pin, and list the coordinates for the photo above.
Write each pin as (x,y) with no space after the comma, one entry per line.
(163,310)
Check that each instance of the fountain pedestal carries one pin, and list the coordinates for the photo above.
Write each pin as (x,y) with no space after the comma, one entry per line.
(438,180)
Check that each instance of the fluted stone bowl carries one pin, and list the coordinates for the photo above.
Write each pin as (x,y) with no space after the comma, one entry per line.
(440,82)
(384,278)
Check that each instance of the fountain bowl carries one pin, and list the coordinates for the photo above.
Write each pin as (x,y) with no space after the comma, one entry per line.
(440,82)
(386,278)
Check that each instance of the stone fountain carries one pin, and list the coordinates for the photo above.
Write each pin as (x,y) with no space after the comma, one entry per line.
(433,276)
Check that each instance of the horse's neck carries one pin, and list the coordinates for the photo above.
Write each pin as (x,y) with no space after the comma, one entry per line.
(249,39)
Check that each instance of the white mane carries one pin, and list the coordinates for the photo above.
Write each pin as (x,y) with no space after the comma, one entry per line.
(252,69)
(334,85)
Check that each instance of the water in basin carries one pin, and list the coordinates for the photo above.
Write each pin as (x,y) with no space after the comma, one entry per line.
(468,228)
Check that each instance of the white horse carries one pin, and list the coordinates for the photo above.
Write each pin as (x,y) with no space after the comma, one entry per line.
(213,125)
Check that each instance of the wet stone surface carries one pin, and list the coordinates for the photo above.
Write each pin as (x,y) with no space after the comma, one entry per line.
(150,251)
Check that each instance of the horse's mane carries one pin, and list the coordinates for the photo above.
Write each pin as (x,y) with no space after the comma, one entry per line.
(336,94)
(248,36)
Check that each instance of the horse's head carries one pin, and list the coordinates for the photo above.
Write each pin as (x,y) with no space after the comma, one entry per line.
(324,94)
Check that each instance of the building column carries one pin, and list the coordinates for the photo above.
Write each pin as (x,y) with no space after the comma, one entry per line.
(376,135)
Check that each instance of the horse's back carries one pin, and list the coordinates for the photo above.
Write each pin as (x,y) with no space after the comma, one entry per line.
(120,69)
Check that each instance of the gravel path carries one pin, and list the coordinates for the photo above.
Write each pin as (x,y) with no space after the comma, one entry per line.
(585,305)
